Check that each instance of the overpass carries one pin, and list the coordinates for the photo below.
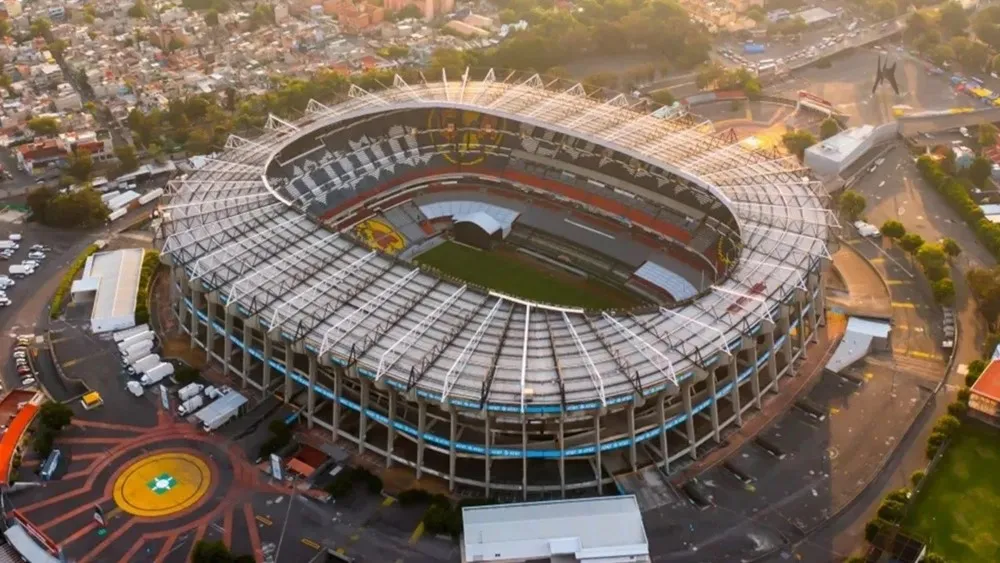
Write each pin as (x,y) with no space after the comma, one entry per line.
(940,121)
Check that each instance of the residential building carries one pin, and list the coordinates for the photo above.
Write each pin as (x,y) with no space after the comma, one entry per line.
(984,396)
(36,156)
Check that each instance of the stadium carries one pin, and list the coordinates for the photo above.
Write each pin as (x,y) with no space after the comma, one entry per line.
(516,285)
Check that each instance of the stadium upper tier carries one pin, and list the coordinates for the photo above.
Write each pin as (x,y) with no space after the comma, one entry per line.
(253,226)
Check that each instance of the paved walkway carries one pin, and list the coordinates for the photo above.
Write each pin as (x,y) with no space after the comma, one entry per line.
(867,292)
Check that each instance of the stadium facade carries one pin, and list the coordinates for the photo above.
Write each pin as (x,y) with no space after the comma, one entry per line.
(272,276)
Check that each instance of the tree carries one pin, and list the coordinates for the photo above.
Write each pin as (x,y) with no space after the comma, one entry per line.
(198,142)
(55,416)
(893,229)
(138,10)
(57,47)
(950,247)
(979,171)
(127,159)
(891,510)
(952,19)
(932,257)
(155,152)
(174,44)
(798,141)
(41,27)
(212,18)
(663,97)
(944,291)
(932,557)
(602,80)
(916,477)
(987,134)
(80,165)
(44,126)
(885,9)
(941,53)
(78,209)
(5,28)
(984,283)
(852,204)
(828,128)
(911,242)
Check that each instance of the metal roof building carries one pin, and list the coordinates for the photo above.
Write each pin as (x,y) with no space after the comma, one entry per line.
(606,529)
(113,278)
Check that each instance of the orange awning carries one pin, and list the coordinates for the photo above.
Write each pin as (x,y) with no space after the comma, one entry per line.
(13,435)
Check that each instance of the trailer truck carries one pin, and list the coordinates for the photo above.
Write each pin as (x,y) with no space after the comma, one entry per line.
(157,374)
(123,334)
(138,349)
(134,339)
(189,390)
(191,405)
(146,364)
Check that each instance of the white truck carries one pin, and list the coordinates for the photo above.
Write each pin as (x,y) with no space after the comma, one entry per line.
(134,339)
(191,405)
(157,374)
(5,244)
(20,270)
(146,364)
(138,349)
(189,390)
(134,388)
(123,334)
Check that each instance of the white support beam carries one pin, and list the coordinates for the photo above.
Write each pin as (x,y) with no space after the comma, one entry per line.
(444,84)
(599,111)
(455,371)
(581,348)
(524,355)
(736,296)
(392,355)
(296,303)
(245,198)
(347,324)
(204,229)
(465,81)
(360,93)
(485,85)
(575,91)
(652,355)
(274,122)
(723,345)
(515,90)
(273,272)
(255,239)
(400,84)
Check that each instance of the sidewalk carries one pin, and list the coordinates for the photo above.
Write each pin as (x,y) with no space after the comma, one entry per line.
(791,388)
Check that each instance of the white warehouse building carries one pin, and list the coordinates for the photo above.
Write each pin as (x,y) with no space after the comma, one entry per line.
(111,280)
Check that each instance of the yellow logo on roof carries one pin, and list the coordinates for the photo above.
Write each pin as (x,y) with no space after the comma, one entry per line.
(379,235)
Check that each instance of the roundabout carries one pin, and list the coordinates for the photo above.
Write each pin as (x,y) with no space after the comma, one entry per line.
(162,484)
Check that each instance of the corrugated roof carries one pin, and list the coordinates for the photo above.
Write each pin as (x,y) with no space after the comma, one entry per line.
(584,528)
(988,384)
(118,274)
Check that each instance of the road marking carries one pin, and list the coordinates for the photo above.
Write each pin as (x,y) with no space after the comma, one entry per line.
(264,520)
(308,542)
(917,354)
(388,501)
(877,260)
(897,282)
(834,410)
(417,533)
(903,305)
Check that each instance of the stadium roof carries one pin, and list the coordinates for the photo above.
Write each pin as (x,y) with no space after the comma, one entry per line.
(235,234)
(572,530)
(484,221)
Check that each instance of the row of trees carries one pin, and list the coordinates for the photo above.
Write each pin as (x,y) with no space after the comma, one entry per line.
(933,258)
(943,35)
(717,77)
(80,209)
(956,194)
(150,263)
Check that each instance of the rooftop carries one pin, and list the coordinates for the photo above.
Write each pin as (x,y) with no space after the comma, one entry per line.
(117,273)
(988,384)
(584,529)
(844,143)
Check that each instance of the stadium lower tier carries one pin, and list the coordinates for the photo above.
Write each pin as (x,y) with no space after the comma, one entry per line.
(499,450)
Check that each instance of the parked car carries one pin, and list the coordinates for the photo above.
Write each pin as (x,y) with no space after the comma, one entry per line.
(28,381)
(36,255)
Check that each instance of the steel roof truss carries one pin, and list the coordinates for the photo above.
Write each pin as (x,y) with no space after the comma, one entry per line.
(387,360)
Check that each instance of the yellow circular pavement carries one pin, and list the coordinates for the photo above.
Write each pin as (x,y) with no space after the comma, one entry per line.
(162,484)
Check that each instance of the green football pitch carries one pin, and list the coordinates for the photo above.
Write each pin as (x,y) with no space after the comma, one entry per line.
(522,276)
(958,510)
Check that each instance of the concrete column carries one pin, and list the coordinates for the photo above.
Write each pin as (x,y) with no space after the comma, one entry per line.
(631,435)
(489,444)
(453,435)
(524,457)
(338,375)
(175,295)
(389,446)
(182,309)
(734,393)
(597,452)
(267,364)
(802,325)
(784,324)
(311,391)
(661,410)
(772,359)
(754,370)
(421,428)
(714,407)
(209,328)
(363,423)
(562,455)
(227,345)
(289,389)
(195,305)
(814,314)
(689,422)
(247,342)
(821,302)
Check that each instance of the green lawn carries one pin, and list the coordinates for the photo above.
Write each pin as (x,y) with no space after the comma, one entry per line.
(521,276)
(958,510)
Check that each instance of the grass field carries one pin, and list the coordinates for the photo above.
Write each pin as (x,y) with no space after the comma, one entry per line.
(515,274)
(958,510)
